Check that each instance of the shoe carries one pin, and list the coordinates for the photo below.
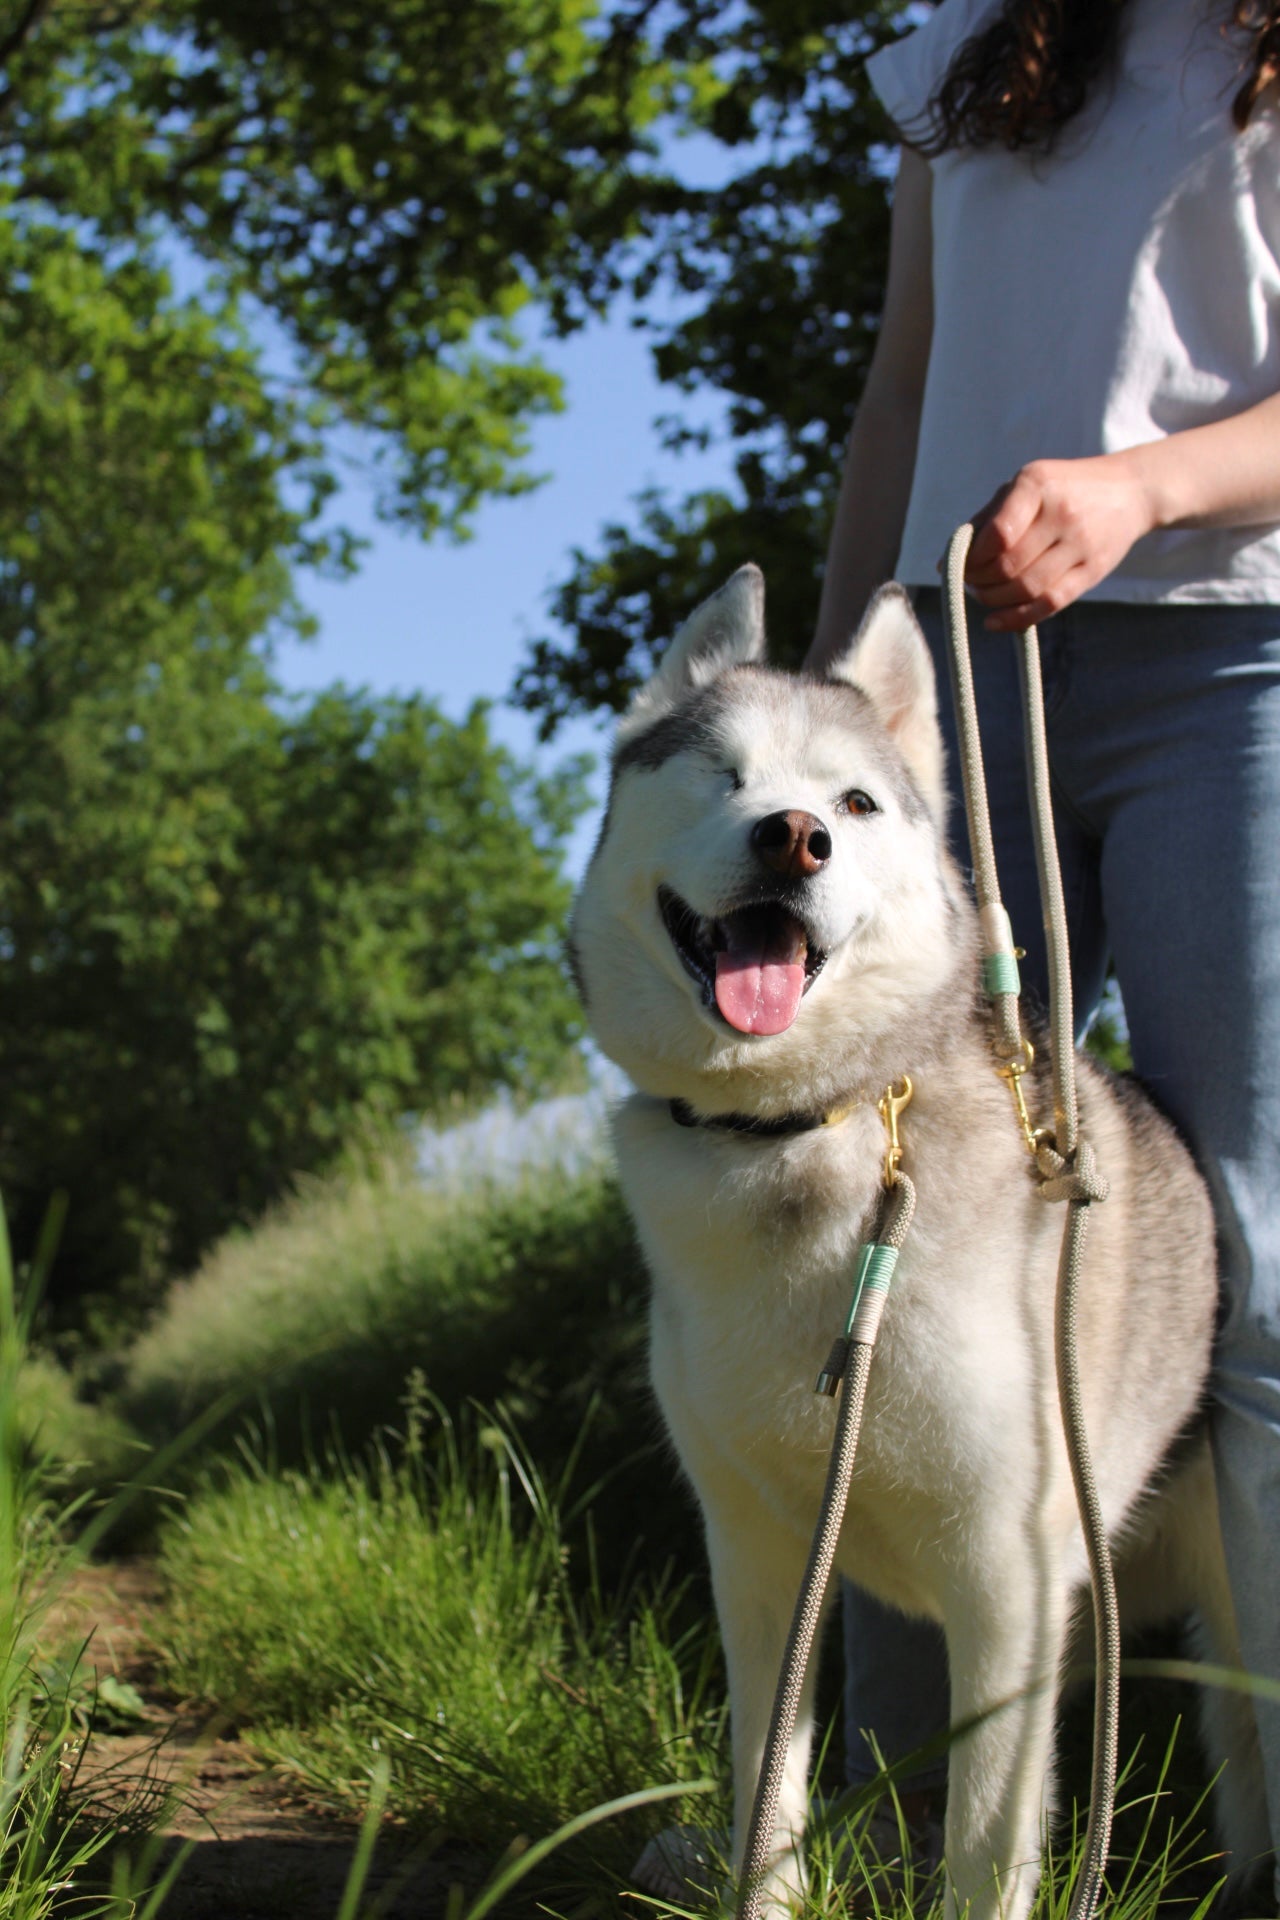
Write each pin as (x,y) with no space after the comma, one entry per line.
(883,1859)
(683,1865)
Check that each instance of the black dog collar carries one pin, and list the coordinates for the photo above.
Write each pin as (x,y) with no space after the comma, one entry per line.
(684,1116)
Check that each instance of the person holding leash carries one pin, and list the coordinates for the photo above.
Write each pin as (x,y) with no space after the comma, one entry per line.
(1080,351)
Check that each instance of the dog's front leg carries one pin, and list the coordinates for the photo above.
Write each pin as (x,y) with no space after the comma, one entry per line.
(756,1569)
(1004,1643)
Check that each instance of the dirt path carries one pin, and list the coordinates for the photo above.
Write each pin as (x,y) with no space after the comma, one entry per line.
(258,1850)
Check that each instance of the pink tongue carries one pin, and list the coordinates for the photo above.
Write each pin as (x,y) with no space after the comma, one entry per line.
(760,975)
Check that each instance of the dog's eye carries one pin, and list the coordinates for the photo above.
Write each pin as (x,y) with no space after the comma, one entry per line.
(856,801)
(734,778)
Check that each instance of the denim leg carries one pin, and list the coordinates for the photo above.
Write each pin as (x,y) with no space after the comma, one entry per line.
(896,1691)
(1164,729)
(896,1684)
(1191,888)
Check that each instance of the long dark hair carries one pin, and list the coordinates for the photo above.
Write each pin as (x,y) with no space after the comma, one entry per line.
(1019,80)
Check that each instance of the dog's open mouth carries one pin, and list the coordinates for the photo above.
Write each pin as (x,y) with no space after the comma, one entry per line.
(754,965)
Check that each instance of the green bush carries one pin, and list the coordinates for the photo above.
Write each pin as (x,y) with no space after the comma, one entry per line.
(226,954)
(528,1296)
(323,1311)
(81,1447)
(422,1610)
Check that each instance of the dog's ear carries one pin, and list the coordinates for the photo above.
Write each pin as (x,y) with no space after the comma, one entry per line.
(888,659)
(725,631)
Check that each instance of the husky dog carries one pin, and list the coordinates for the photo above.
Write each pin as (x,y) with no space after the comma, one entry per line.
(770,931)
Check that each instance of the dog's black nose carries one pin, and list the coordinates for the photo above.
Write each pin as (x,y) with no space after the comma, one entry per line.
(796,844)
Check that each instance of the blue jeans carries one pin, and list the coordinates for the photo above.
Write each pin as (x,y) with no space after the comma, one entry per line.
(1164,738)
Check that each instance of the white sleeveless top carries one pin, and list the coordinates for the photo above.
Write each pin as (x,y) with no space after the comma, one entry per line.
(1122,288)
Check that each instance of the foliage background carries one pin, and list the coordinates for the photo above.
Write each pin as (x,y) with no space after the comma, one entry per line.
(233,931)
(248,940)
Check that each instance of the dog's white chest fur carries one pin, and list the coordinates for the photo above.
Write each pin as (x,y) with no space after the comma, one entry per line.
(752,1247)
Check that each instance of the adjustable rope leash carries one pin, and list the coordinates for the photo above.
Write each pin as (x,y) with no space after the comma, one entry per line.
(1065,1161)
(848,1367)
(1069,1173)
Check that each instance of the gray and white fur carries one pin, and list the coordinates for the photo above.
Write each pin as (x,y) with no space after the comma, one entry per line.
(961,1507)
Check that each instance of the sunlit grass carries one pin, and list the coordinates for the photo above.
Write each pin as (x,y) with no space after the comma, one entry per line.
(418,1630)
(420,1611)
(415,1614)
(46,1851)
(320,1313)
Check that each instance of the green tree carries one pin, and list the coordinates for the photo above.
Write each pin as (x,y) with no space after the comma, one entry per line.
(268,928)
(231,930)
(392,184)
(228,929)
(779,276)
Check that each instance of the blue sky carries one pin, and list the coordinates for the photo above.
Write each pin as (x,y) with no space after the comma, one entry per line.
(455,621)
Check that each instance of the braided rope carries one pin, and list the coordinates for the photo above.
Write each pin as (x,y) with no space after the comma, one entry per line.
(1069,1173)
(899,1208)
(1000,966)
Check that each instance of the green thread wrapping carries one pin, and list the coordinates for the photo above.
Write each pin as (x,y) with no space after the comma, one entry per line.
(873,1273)
(1000,974)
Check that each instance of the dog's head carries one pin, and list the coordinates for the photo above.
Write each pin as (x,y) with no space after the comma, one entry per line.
(770,891)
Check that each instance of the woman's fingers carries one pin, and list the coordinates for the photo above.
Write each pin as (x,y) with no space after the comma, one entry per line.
(1004,523)
(1030,578)
(1058,528)
(1029,613)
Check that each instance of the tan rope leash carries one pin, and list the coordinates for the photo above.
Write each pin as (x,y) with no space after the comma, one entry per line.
(1066,1163)
(1068,1172)
(847,1368)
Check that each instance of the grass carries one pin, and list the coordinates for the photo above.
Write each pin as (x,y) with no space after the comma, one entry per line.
(36,1853)
(445,1554)
(527,1295)
(424,1626)
(51,1854)
(416,1612)
(81,1448)
(359,1279)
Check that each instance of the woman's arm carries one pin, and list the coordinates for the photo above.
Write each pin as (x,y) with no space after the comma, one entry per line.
(882,446)
(1061,526)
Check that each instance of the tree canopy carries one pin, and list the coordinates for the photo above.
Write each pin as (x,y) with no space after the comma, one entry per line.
(233,928)
(234,935)
(390,184)
(780,276)
(242,244)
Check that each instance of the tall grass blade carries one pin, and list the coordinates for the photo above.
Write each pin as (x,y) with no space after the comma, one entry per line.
(47,1243)
(510,1875)
(1202,1674)
(7,1316)
(361,1859)
(127,1886)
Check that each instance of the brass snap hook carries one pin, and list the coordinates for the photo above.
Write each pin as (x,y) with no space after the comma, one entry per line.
(893,1101)
(1012,1074)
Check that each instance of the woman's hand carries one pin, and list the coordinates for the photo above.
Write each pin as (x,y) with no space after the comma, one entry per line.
(1058,528)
